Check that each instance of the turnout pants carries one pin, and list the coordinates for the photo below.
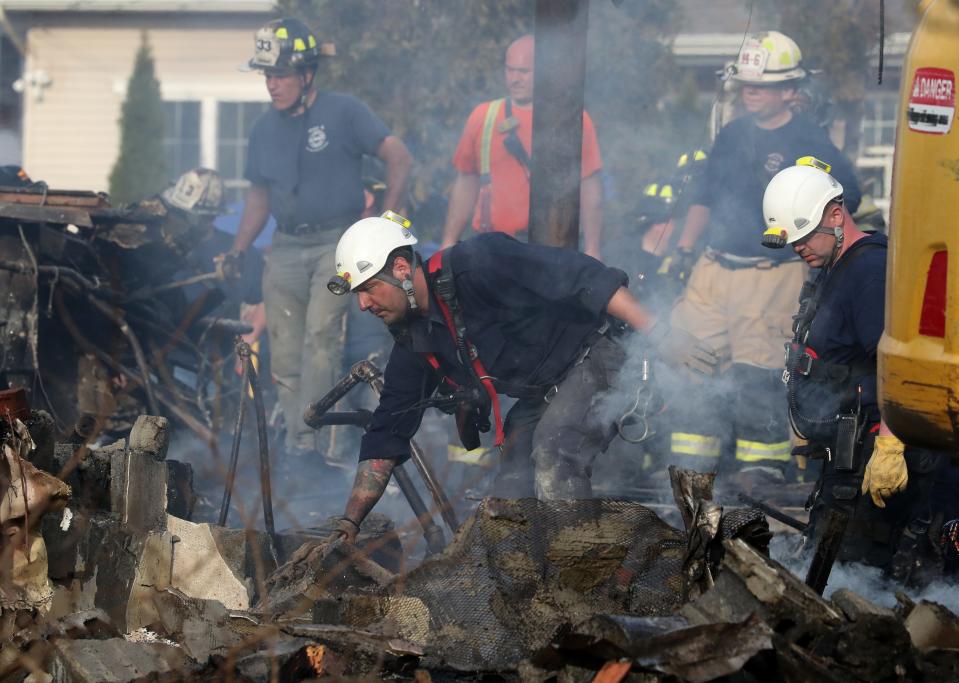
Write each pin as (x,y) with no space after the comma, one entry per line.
(550,446)
(306,326)
(739,418)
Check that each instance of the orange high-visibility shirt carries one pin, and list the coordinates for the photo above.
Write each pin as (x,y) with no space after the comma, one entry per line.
(509,185)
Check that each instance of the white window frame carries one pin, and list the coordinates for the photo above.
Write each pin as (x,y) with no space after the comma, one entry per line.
(209,95)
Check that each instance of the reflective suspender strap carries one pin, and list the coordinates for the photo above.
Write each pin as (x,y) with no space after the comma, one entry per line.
(434,266)
(486,143)
(485,199)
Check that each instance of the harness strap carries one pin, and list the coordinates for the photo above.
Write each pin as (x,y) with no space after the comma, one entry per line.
(808,364)
(454,321)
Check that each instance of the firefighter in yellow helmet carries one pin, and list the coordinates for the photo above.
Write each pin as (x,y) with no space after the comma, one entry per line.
(303,164)
(739,298)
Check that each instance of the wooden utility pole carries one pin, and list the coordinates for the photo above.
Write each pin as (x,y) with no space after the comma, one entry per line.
(560,73)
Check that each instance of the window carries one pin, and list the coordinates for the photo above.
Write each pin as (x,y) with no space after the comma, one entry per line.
(879,120)
(210,133)
(181,139)
(234,122)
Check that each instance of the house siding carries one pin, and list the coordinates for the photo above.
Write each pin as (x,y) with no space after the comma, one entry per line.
(71,134)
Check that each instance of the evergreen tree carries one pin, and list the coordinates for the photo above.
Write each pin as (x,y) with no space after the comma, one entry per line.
(140,170)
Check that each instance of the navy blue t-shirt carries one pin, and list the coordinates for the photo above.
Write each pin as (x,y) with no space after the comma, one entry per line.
(311,163)
(847,326)
(743,160)
(528,309)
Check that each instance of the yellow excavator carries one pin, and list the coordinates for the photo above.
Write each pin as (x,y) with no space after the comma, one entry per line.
(919,351)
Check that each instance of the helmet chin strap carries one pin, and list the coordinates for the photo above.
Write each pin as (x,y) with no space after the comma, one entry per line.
(406,284)
(838,233)
(306,85)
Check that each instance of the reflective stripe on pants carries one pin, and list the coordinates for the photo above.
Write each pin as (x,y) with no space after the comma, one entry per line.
(684,443)
(756,451)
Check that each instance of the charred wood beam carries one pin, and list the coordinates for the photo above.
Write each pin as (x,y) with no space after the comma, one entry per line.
(560,60)
(46,214)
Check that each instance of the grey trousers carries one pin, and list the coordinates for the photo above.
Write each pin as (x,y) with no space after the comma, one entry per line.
(306,326)
(550,447)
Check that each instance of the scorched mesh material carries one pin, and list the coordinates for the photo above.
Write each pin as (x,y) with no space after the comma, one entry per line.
(521,568)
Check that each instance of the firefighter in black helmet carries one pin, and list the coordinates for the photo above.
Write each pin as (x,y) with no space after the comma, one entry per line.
(287,47)
(304,163)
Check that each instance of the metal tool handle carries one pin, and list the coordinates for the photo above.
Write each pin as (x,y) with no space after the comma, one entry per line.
(315,411)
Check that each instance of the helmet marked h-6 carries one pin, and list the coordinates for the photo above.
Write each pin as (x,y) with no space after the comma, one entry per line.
(767,58)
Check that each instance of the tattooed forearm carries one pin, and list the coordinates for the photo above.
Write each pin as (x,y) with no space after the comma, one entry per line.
(372,476)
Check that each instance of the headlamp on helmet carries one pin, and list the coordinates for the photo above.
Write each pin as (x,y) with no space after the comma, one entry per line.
(339,284)
(775,238)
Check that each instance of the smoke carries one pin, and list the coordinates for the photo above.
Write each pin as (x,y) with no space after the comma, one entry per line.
(865,580)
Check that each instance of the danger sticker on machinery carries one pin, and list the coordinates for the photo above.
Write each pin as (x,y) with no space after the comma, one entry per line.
(932,103)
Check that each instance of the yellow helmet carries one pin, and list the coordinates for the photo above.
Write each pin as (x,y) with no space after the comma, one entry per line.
(768,57)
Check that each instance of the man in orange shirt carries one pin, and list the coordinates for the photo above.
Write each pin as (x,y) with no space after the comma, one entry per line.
(492,161)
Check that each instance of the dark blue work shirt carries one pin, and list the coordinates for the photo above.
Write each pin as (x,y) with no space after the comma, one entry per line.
(312,163)
(743,160)
(528,310)
(847,326)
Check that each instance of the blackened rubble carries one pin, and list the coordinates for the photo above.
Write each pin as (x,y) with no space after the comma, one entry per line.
(527,590)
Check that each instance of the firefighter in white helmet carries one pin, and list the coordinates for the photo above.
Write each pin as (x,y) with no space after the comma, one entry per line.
(486,317)
(830,377)
(739,297)
(304,163)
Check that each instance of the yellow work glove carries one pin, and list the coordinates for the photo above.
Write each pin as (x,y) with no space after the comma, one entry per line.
(886,473)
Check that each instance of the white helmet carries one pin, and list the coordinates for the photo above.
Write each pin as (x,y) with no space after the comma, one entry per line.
(363,249)
(768,57)
(794,203)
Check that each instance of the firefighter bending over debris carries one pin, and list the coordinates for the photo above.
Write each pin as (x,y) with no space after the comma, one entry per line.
(884,488)
(304,166)
(491,316)
(738,297)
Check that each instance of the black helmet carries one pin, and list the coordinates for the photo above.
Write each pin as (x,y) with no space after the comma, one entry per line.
(656,203)
(14,176)
(285,44)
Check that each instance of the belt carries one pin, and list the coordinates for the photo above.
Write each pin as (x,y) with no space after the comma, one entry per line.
(546,392)
(734,262)
(339,223)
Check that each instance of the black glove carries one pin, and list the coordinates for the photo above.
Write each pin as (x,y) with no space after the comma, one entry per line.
(681,265)
(675,346)
(229,266)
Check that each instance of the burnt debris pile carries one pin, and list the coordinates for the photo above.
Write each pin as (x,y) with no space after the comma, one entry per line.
(100,582)
(107,312)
